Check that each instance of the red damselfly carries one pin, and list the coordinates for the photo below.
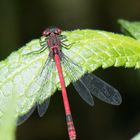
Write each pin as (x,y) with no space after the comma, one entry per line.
(86,84)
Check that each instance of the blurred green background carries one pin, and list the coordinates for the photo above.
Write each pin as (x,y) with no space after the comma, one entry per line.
(24,20)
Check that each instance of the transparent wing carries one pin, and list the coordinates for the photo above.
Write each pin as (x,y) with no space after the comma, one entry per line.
(83,92)
(101,89)
(42,81)
(45,78)
(90,84)
(23,118)
(74,72)
(42,108)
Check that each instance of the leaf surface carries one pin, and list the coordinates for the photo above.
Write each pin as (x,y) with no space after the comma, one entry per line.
(90,49)
(130,28)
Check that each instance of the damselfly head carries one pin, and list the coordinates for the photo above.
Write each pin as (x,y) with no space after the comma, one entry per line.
(50,30)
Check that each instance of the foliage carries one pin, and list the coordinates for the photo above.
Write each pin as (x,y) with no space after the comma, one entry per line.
(137,137)
(8,120)
(130,28)
(91,49)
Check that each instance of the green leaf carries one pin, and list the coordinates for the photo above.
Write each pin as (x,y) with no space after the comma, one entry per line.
(90,49)
(137,137)
(93,49)
(8,120)
(130,28)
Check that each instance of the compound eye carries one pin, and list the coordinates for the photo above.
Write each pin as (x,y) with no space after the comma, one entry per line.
(45,33)
(58,31)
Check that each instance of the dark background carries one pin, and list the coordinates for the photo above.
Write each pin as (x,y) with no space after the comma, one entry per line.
(24,20)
